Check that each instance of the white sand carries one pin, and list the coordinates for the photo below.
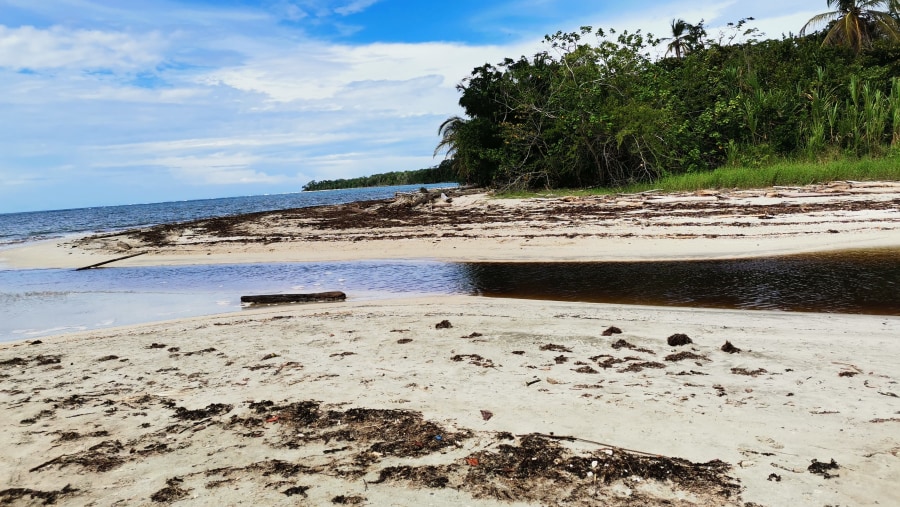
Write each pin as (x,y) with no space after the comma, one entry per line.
(611,228)
(796,408)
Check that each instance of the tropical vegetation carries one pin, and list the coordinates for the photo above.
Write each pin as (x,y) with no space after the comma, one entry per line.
(611,108)
(442,173)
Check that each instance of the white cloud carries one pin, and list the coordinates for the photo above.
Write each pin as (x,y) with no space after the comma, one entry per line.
(354,7)
(314,72)
(216,169)
(297,10)
(57,47)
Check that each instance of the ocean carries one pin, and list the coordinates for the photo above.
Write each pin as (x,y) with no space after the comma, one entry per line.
(41,302)
(17,228)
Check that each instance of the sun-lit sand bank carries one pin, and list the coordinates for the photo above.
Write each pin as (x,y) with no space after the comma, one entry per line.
(465,400)
(385,403)
(474,227)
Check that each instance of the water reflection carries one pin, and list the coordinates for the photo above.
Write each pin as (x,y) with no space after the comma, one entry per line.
(865,281)
(41,302)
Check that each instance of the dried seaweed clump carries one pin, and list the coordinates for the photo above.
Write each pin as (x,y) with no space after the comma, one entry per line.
(402,433)
(539,469)
(678,339)
(9,496)
(681,356)
(729,348)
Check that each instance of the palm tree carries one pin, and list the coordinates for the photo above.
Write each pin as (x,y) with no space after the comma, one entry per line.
(450,133)
(855,23)
(680,29)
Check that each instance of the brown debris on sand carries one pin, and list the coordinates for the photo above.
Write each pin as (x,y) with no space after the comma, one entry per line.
(611,330)
(270,405)
(474,359)
(538,469)
(681,356)
(9,496)
(678,340)
(751,373)
(820,468)
(401,433)
(555,348)
(636,367)
(621,343)
(171,493)
(415,217)
(729,348)
(211,410)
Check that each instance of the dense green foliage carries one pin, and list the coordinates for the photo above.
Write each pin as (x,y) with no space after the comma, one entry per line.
(783,173)
(443,173)
(597,109)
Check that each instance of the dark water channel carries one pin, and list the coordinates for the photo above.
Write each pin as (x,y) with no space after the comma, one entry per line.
(50,301)
(859,281)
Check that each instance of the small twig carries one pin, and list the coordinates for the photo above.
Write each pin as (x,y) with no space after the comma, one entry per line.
(198,423)
(97,265)
(79,415)
(48,463)
(578,439)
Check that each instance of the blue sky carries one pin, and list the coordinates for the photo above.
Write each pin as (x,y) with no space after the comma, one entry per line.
(111,102)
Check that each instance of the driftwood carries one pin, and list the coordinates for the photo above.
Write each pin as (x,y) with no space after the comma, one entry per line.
(411,200)
(92,266)
(316,297)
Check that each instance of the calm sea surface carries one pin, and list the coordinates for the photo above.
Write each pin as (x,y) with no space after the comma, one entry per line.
(36,225)
(40,302)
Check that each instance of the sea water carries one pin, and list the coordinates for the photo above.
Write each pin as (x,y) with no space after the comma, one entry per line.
(40,302)
(17,228)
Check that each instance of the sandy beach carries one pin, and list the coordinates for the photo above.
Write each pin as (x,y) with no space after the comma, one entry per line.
(463,400)
(476,227)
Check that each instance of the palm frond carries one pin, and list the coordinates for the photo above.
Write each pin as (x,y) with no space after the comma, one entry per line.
(820,20)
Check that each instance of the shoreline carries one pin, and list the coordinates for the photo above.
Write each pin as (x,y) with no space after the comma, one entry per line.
(53,254)
(476,228)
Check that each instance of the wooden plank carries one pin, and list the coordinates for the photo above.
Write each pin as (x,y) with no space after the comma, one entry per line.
(316,297)
(92,266)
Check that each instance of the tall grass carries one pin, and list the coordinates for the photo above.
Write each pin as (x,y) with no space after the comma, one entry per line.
(894,107)
(784,173)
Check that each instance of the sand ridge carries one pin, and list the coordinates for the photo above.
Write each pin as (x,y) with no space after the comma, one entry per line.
(476,227)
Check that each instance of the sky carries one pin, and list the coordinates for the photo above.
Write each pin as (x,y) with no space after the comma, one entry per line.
(106,102)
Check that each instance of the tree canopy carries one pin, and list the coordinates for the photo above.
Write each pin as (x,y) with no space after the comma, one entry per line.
(857,23)
(607,107)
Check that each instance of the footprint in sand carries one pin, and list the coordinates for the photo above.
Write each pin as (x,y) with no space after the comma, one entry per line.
(770,442)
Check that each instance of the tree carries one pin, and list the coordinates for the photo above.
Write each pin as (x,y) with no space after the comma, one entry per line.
(678,38)
(856,23)
(686,37)
(450,133)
